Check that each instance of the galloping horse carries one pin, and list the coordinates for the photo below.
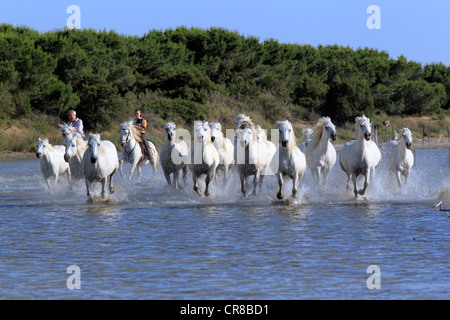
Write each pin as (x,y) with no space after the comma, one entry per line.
(289,159)
(255,155)
(100,163)
(204,161)
(75,148)
(320,153)
(52,162)
(360,156)
(173,156)
(399,157)
(224,147)
(131,151)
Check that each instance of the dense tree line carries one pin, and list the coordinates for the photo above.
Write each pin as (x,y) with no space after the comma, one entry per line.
(175,73)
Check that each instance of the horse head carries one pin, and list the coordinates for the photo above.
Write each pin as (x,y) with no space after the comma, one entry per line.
(216,129)
(70,143)
(330,129)
(286,131)
(170,128)
(94,146)
(245,134)
(125,133)
(406,137)
(202,131)
(40,148)
(364,127)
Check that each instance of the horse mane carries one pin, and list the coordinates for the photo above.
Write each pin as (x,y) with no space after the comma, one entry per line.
(317,130)
(223,145)
(65,128)
(48,145)
(401,132)
(135,131)
(245,124)
(170,124)
(242,118)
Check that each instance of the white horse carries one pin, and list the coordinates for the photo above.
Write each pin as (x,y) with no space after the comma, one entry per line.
(173,156)
(306,134)
(100,163)
(130,138)
(224,147)
(75,148)
(399,157)
(320,153)
(360,156)
(204,161)
(270,146)
(289,160)
(255,155)
(52,162)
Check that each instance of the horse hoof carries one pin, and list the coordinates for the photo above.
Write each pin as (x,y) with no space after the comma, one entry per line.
(294,194)
(280,195)
(199,193)
(361,192)
(111,190)
(207,193)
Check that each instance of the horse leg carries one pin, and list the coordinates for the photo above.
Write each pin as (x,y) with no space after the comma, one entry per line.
(133,167)
(176,175)
(69,177)
(167,176)
(104,187)
(280,184)
(406,177)
(355,187)
(315,172)
(196,188)
(398,175)
(111,187)
(255,181)
(139,170)
(243,184)
(88,187)
(325,174)
(120,166)
(349,181)
(207,180)
(366,183)
(295,182)
(184,176)
(225,174)
(209,177)
(261,180)
(47,180)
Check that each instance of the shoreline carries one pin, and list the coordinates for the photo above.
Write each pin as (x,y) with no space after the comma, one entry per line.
(17,156)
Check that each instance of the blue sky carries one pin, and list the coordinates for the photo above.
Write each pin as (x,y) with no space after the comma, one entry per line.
(420,30)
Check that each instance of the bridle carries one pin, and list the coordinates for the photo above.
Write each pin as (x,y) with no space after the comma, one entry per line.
(127,141)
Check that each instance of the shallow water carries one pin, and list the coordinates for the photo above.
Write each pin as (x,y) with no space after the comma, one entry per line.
(149,242)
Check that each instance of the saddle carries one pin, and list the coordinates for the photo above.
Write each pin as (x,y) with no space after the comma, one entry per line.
(144,152)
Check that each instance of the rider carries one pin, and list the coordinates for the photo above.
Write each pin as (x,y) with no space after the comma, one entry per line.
(74,122)
(141,123)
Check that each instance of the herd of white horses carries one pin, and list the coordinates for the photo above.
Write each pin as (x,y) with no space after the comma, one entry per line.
(248,152)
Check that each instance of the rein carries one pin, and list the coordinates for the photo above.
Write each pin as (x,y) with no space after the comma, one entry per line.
(129,153)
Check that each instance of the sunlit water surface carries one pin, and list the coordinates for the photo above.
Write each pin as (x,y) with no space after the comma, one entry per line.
(148,241)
